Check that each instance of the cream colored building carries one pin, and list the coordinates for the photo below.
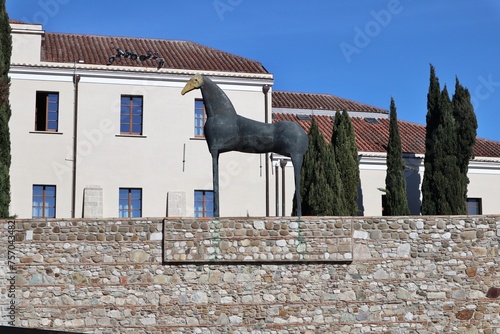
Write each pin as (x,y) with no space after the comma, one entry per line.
(163,157)
(99,129)
(371,137)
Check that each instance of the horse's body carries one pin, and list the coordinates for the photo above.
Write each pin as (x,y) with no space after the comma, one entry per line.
(227,131)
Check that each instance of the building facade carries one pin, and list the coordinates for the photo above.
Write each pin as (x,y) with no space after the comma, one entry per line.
(372,133)
(119,136)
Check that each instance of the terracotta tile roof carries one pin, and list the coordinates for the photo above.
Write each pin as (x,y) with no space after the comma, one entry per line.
(67,48)
(373,137)
(293,100)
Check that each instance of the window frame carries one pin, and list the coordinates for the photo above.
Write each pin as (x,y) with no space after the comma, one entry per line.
(44,207)
(129,115)
(204,201)
(42,115)
(128,211)
(199,131)
(478,203)
(384,204)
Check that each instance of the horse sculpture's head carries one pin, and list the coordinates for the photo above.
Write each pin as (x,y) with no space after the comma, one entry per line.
(194,83)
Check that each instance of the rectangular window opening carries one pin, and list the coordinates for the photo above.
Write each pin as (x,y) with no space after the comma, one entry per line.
(131,114)
(44,201)
(47,111)
(130,203)
(474,206)
(384,205)
(200,117)
(203,203)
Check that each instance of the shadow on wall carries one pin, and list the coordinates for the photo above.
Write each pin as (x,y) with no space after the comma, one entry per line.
(361,208)
(413,180)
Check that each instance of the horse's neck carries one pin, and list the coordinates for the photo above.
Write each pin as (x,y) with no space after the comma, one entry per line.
(215,100)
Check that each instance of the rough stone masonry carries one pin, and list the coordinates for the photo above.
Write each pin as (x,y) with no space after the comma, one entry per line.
(256,275)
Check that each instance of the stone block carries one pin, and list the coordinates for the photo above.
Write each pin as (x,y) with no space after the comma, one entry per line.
(176,204)
(360,252)
(242,240)
(93,202)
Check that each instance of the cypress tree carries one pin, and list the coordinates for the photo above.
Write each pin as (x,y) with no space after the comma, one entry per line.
(395,183)
(346,155)
(316,193)
(5,112)
(432,123)
(446,172)
(450,135)
(337,206)
(466,127)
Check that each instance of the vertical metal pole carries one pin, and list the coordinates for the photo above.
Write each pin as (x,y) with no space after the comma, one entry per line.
(265,90)
(76,80)
(277,177)
(283,201)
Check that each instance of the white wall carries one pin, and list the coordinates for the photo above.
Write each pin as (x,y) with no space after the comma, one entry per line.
(26,43)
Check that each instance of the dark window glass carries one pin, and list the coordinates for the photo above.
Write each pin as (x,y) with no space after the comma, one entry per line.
(47,111)
(474,206)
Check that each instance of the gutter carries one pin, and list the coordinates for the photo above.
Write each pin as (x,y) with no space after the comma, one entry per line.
(76,80)
(265,90)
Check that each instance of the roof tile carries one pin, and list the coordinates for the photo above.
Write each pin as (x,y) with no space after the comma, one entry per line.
(68,48)
(294,100)
(373,137)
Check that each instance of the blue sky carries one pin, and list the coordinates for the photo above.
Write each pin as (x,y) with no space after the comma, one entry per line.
(365,50)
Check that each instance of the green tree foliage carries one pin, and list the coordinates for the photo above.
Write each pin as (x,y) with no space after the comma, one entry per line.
(346,155)
(445,167)
(5,112)
(432,122)
(466,126)
(316,193)
(338,204)
(450,136)
(395,183)
(321,186)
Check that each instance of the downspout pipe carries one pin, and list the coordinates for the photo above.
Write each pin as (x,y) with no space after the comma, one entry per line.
(76,80)
(283,163)
(265,90)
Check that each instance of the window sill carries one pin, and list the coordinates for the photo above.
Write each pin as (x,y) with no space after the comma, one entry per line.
(47,132)
(130,136)
(197,138)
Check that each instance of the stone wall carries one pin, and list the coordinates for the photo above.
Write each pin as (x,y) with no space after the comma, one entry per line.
(331,275)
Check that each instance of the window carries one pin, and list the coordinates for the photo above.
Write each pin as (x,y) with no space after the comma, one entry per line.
(44,201)
(384,205)
(131,115)
(199,118)
(47,111)
(203,203)
(130,203)
(474,206)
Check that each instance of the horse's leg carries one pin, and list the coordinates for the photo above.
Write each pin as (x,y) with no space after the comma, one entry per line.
(215,175)
(297,167)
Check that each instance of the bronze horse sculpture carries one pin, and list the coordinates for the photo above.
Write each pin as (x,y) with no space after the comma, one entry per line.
(226,131)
